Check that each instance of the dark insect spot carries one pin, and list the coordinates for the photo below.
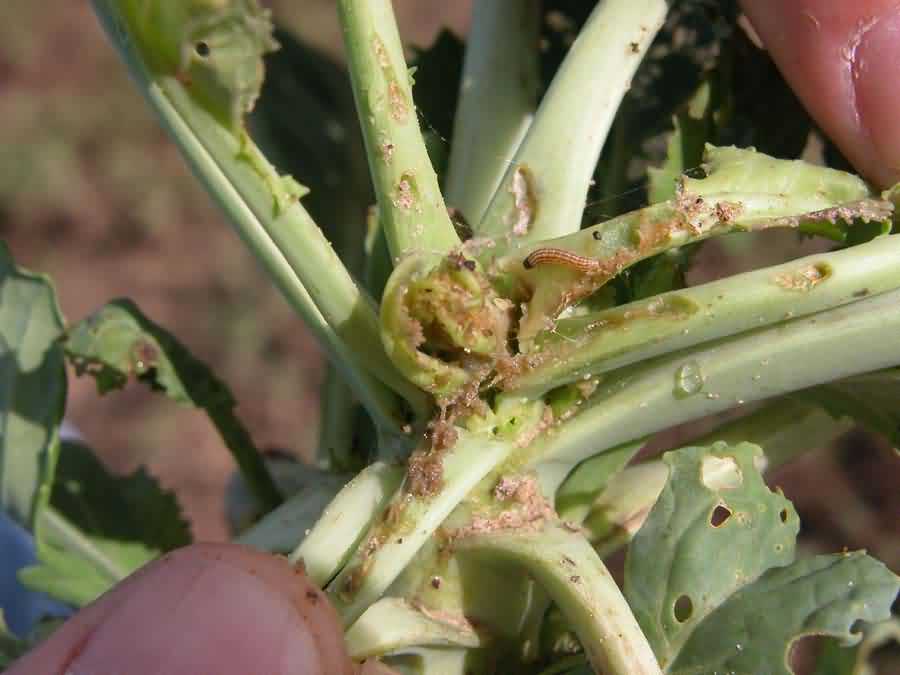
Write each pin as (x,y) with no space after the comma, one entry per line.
(861,293)
(469,265)
(597,235)
(719,515)
(783,515)
(683,608)
(312,596)
(202,49)
(527,264)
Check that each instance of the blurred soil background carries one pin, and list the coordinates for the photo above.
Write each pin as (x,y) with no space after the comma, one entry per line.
(93,194)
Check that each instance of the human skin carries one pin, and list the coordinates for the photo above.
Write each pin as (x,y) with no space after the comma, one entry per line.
(228,610)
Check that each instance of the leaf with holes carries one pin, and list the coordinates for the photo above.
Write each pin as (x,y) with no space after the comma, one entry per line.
(32,389)
(709,575)
(715,528)
(214,47)
(753,631)
(118,342)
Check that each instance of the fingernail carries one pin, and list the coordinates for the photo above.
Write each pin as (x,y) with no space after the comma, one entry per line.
(875,63)
(201,615)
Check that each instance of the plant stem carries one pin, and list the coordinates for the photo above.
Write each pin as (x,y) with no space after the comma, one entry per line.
(598,342)
(263,208)
(566,566)
(331,541)
(409,521)
(393,625)
(645,398)
(543,192)
(410,204)
(497,96)
(336,424)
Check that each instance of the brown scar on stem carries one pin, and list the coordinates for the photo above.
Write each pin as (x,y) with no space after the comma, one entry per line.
(524,200)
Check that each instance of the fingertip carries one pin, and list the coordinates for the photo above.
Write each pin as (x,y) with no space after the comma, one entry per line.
(841,57)
(206,608)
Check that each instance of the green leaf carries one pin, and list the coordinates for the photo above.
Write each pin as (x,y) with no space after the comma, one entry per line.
(11,647)
(709,575)
(872,399)
(836,660)
(216,46)
(77,569)
(683,563)
(118,342)
(826,595)
(684,149)
(123,508)
(589,479)
(32,389)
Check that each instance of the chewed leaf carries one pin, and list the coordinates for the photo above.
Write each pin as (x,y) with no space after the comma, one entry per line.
(32,389)
(118,342)
(873,399)
(715,528)
(710,579)
(826,595)
(214,47)
(132,507)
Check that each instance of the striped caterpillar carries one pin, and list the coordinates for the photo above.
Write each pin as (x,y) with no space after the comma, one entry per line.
(559,256)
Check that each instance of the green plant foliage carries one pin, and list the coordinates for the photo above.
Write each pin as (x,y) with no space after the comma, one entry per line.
(838,660)
(118,342)
(305,123)
(76,568)
(871,399)
(709,575)
(122,508)
(825,595)
(11,647)
(214,46)
(112,526)
(32,389)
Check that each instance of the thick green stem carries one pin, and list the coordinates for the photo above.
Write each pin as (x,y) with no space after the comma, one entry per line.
(337,424)
(330,543)
(393,625)
(410,205)
(543,192)
(648,397)
(497,96)
(565,565)
(555,274)
(264,209)
(415,512)
(597,342)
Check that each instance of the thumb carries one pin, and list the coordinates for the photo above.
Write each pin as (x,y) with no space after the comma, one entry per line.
(213,608)
(842,58)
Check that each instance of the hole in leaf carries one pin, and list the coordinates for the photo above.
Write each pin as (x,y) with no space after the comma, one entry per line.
(719,515)
(202,49)
(720,473)
(783,515)
(683,608)
(804,652)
